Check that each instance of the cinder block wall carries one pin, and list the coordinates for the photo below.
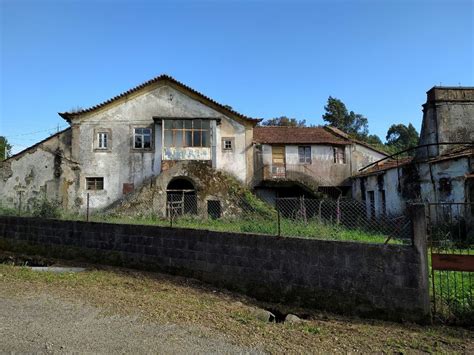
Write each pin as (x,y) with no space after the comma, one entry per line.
(380,281)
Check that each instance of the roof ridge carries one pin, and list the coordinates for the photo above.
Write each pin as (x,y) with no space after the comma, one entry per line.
(163,77)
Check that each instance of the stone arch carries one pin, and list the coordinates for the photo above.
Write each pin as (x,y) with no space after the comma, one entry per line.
(181,196)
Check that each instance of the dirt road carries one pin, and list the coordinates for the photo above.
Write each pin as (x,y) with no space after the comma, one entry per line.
(45,324)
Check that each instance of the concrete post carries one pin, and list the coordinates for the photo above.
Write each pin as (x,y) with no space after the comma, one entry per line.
(418,218)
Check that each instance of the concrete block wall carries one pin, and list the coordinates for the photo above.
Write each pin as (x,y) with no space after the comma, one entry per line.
(379,281)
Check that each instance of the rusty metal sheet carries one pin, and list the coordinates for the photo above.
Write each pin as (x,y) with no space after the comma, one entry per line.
(452,262)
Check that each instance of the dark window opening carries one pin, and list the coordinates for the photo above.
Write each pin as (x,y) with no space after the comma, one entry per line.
(214,209)
(371,195)
(181,197)
(95,183)
(383,202)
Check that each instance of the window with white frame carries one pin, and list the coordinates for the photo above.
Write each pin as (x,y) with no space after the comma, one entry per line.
(227,144)
(186,133)
(142,138)
(304,154)
(102,140)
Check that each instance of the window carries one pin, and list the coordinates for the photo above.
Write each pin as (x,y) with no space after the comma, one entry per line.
(304,154)
(142,138)
(102,140)
(227,144)
(95,183)
(186,133)
(339,155)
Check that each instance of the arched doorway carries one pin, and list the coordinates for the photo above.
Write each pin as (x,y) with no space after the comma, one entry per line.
(181,197)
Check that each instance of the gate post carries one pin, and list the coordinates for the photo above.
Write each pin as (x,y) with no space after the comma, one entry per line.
(420,241)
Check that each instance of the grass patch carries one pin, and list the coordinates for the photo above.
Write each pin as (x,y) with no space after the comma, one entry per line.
(166,299)
(312,229)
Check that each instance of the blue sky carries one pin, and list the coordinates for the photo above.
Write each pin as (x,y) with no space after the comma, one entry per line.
(264,58)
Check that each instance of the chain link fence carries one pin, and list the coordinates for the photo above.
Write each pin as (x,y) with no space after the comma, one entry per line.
(341,219)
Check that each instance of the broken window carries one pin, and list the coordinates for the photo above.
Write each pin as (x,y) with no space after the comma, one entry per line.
(304,154)
(339,155)
(186,133)
(142,138)
(95,183)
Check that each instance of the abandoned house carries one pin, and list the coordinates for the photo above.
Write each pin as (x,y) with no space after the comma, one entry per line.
(166,136)
(442,167)
(113,147)
(296,161)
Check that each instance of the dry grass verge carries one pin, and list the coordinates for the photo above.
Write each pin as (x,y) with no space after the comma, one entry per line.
(169,299)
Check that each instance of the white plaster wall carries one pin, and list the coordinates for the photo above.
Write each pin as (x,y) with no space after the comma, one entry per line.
(233,162)
(361,156)
(122,164)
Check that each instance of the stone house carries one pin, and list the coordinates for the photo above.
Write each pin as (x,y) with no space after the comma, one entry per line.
(166,135)
(114,147)
(295,161)
(442,168)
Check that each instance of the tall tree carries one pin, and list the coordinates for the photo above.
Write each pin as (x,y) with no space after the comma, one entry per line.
(401,137)
(284,121)
(338,116)
(5,148)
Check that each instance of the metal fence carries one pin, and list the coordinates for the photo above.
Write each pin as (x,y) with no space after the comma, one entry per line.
(451,242)
(341,219)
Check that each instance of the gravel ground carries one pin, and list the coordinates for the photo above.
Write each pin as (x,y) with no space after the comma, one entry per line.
(107,310)
(49,325)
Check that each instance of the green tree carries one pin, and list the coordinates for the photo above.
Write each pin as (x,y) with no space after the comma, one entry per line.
(401,137)
(338,116)
(284,121)
(5,148)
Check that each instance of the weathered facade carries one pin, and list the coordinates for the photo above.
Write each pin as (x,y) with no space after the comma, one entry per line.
(441,170)
(112,148)
(317,159)
(154,133)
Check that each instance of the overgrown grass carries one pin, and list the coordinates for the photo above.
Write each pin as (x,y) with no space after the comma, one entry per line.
(312,229)
(454,292)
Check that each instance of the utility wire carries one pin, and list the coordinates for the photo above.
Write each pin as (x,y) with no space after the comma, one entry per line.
(44,130)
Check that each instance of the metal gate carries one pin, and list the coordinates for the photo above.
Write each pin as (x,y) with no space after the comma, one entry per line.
(451,246)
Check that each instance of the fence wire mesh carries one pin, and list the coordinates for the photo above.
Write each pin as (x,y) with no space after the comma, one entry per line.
(340,219)
(451,240)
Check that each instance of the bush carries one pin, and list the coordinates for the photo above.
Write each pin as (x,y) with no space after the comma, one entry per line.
(45,208)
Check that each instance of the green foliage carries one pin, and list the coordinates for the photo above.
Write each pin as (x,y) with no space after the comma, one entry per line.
(284,121)
(400,137)
(5,148)
(338,116)
(45,208)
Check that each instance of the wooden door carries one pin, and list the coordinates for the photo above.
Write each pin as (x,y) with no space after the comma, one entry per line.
(278,160)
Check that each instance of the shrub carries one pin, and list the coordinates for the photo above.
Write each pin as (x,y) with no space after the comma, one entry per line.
(45,208)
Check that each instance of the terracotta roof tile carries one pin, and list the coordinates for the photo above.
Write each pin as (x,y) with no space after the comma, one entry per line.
(385,165)
(296,135)
(162,78)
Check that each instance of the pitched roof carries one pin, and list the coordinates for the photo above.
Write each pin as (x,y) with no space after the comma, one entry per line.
(385,165)
(295,135)
(162,78)
(345,135)
(36,145)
